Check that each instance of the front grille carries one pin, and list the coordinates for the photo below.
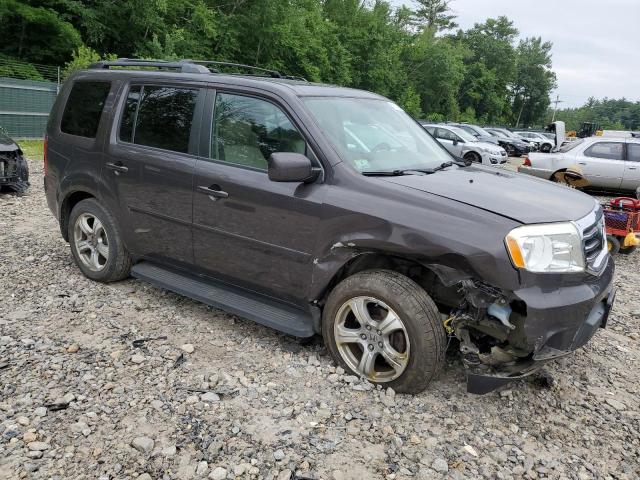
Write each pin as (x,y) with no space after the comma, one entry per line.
(593,240)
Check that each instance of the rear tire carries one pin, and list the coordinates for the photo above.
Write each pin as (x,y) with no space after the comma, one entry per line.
(96,243)
(368,334)
(613,244)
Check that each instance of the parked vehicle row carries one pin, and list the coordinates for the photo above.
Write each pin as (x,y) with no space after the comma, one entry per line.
(316,209)
(464,145)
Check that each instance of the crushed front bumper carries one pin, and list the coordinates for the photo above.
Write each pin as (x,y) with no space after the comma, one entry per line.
(557,323)
(13,171)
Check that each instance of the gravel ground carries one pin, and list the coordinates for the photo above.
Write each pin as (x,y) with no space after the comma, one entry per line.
(212,395)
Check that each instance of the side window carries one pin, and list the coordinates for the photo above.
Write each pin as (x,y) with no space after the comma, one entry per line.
(247,130)
(129,115)
(84,107)
(431,130)
(608,150)
(159,117)
(633,152)
(446,134)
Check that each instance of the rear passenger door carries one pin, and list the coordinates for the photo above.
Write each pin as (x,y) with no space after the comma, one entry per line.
(603,163)
(631,179)
(149,168)
(248,230)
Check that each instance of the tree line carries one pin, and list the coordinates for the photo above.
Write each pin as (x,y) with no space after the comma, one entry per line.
(416,56)
(609,114)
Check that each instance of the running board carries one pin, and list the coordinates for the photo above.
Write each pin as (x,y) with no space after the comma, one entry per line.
(260,309)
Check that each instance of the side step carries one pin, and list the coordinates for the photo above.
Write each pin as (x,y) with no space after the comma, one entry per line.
(258,308)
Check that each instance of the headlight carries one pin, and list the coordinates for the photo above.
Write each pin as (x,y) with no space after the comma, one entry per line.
(546,248)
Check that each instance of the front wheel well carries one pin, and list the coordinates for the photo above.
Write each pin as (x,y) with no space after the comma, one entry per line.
(445,297)
(67,205)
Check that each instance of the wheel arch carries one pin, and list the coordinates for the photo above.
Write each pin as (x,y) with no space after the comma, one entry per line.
(439,281)
(68,202)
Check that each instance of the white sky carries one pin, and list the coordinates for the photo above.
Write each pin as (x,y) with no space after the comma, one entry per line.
(596,43)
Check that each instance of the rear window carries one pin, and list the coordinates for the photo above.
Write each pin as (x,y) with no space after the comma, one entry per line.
(159,117)
(84,107)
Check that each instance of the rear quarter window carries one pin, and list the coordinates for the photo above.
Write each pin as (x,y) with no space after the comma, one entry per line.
(84,107)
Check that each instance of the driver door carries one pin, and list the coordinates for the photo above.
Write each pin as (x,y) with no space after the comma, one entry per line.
(450,141)
(248,230)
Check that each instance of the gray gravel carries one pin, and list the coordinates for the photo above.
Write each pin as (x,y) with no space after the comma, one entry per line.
(224,398)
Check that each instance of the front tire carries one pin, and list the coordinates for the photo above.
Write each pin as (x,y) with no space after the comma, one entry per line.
(380,325)
(96,243)
(473,157)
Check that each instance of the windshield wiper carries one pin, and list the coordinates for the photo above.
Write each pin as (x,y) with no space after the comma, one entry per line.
(408,171)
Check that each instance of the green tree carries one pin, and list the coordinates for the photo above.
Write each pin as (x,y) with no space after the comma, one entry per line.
(534,82)
(434,15)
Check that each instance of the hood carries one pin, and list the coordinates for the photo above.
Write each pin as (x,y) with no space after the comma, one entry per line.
(519,197)
(6,144)
(513,141)
(485,139)
(494,147)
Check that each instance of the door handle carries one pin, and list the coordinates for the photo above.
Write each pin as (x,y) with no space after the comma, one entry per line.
(117,167)
(213,191)
(632,168)
(582,163)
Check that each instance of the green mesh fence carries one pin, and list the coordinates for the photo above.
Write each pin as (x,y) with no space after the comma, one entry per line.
(25,103)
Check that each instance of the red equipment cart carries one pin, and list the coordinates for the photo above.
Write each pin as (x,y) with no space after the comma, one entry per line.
(622,223)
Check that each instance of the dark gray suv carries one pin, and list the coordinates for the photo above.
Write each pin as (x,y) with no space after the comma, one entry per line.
(316,209)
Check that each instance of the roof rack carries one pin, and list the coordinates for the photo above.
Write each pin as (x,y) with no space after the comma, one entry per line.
(271,73)
(185,66)
(190,66)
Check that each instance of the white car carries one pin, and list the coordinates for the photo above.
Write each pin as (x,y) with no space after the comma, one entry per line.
(545,144)
(464,145)
(607,163)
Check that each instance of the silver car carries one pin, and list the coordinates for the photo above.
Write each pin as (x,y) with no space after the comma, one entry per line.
(464,145)
(608,163)
(545,144)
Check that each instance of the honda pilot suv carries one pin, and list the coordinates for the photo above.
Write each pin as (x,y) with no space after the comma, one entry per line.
(316,209)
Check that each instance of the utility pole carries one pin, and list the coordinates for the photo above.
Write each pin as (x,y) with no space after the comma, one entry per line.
(555,110)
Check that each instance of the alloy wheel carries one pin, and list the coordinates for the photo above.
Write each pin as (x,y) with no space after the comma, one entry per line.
(372,339)
(91,242)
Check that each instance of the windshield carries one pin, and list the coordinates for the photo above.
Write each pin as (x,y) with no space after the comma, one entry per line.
(375,135)
(467,137)
(475,130)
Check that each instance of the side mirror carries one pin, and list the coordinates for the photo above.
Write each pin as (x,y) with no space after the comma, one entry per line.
(455,142)
(291,167)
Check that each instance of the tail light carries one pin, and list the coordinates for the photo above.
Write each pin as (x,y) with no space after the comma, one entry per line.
(45,159)
(527,162)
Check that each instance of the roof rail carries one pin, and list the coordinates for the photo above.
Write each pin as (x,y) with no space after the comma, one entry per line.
(185,66)
(271,73)
(190,66)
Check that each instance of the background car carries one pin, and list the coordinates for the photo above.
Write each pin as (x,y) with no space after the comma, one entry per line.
(607,163)
(464,145)
(545,144)
(514,145)
(14,170)
(480,133)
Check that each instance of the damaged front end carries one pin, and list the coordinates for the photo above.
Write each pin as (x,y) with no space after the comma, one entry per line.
(14,171)
(509,335)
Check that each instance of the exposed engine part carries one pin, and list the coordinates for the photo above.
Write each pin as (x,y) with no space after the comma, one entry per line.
(497,356)
(14,171)
(501,311)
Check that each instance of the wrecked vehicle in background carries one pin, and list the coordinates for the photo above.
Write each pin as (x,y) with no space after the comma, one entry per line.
(316,209)
(14,169)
